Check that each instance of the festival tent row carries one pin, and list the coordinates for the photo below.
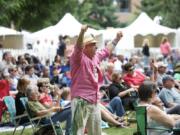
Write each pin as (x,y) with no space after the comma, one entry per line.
(48,37)
(10,38)
(142,27)
(145,27)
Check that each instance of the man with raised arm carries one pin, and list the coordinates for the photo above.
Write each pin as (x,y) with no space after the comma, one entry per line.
(86,78)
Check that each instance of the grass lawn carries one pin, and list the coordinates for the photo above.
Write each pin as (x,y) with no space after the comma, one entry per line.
(120,131)
(109,131)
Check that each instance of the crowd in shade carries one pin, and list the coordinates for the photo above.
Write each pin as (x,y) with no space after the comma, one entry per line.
(51,86)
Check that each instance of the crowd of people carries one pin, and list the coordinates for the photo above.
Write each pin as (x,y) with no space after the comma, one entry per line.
(99,85)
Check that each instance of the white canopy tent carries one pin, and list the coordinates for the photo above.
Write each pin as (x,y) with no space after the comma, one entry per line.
(7,31)
(68,25)
(10,38)
(142,26)
(48,37)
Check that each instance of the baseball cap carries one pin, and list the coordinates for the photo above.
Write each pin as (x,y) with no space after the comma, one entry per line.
(166,78)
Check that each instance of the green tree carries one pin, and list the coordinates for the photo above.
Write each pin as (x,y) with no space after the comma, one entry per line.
(33,14)
(168,9)
(36,14)
(98,13)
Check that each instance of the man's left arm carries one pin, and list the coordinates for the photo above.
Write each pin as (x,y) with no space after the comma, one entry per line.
(109,48)
(111,45)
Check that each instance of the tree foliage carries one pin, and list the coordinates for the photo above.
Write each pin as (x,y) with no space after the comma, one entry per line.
(99,13)
(36,14)
(168,9)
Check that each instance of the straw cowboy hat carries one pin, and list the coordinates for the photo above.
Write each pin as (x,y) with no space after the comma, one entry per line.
(90,39)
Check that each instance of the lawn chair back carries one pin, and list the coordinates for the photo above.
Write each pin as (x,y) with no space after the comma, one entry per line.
(35,121)
(141,119)
(10,104)
(24,101)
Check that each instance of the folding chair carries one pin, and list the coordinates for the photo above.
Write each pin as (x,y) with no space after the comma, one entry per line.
(141,117)
(36,121)
(10,104)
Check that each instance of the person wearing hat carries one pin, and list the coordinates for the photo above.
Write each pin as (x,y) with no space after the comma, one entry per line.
(169,94)
(161,72)
(86,77)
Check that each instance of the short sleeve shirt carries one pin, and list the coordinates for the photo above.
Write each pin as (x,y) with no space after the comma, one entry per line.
(35,107)
(169,96)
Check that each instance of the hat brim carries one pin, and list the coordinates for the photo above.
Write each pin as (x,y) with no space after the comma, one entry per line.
(90,42)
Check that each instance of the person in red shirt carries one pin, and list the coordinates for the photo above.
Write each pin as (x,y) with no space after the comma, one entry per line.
(4,91)
(132,77)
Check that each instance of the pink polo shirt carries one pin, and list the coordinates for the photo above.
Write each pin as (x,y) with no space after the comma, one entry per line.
(86,74)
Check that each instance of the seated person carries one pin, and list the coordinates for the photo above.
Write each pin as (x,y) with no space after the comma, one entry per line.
(111,118)
(4,91)
(21,87)
(38,109)
(172,110)
(155,116)
(114,106)
(133,77)
(45,97)
(65,96)
(118,88)
(169,95)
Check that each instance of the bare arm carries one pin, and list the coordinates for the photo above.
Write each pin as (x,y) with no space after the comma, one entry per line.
(175,116)
(79,42)
(46,111)
(158,115)
(124,93)
(153,77)
(111,45)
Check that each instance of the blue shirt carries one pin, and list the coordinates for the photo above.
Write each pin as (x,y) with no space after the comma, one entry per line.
(169,96)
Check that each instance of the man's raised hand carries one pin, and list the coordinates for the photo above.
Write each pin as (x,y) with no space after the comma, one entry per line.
(119,35)
(84,28)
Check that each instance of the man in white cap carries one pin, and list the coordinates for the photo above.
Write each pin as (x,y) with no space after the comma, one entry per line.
(86,78)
